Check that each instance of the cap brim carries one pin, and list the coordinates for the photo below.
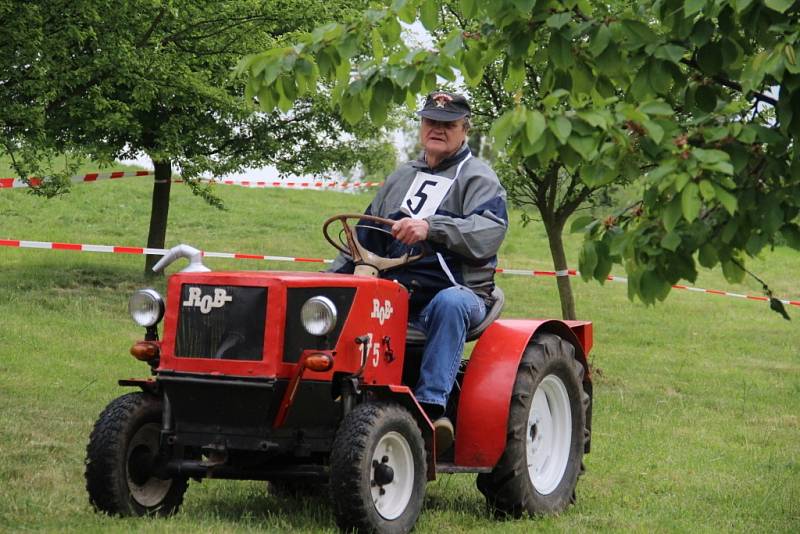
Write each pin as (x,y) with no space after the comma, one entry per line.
(442,114)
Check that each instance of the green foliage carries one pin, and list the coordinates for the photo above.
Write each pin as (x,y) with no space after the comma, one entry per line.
(725,182)
(114,80)
(698,100)
(674,414)
(540,138)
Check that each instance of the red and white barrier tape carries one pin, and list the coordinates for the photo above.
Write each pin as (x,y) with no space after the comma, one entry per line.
(319,185)
(14,183)
(624,280)
(112,249)
(17,243)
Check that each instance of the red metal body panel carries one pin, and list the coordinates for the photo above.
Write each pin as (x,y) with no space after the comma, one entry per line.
(583,331)
(383,316)
(486,392)
(379,313)
(379,310)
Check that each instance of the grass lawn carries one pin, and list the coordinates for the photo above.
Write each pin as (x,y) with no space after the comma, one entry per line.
(696,409)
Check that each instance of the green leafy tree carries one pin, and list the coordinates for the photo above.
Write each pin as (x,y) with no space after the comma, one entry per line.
(23,140)
(554,188)
(696,99)
(113,80)
(724,178)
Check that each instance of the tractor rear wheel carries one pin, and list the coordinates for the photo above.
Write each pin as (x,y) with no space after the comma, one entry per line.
(539,468)
(120,458)
(378,470)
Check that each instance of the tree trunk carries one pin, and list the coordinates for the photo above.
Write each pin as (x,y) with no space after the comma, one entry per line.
(159,213)
(556,241)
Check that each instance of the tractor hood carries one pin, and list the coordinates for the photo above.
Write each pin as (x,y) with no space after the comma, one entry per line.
(248,324)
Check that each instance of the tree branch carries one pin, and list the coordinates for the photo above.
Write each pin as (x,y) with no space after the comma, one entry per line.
(461,22)
(141,42)
(569,207)
(181,35)
(488,82)
(552,188)
(731,84)
(14,163)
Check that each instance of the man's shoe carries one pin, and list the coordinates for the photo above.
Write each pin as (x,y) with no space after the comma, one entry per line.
(433,411)
(443,434)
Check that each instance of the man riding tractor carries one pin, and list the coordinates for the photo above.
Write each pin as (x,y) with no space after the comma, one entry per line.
(302,379)
(453,202)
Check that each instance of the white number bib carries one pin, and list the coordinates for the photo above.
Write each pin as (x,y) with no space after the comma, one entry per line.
(425,195)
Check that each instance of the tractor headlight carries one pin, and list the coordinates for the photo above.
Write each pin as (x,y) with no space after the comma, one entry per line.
(146,307)
(318,315)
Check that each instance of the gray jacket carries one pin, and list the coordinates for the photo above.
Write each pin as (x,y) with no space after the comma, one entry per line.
(466,228)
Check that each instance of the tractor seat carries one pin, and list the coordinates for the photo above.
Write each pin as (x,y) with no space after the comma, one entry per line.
(417,337)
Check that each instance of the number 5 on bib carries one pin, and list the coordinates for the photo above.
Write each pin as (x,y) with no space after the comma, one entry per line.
(426,194)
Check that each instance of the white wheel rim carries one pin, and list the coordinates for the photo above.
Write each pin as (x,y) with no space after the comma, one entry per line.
(153,490)
(549,435)
(391,499)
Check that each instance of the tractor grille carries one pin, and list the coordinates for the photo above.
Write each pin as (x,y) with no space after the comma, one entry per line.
(221,322)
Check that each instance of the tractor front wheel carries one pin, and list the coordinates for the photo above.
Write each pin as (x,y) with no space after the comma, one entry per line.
(539,468)
(378,472)
(120,459)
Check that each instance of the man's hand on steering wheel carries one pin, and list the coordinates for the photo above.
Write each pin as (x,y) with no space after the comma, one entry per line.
(367,262)
(410,231)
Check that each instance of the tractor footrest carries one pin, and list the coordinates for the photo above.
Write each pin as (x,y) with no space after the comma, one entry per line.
(453,468)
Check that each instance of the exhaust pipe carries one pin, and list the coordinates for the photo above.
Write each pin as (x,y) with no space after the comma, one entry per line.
(194,256)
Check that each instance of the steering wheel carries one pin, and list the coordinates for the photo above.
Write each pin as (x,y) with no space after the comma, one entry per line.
(366,262)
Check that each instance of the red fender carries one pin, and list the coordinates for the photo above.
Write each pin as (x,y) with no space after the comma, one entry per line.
(486,391)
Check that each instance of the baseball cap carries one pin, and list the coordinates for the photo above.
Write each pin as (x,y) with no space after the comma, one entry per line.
(444,106)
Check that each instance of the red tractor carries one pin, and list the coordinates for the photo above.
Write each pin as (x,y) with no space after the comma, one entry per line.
(304,379)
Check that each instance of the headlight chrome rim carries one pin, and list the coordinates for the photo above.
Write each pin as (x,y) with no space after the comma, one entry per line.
(146,307)
(318,315)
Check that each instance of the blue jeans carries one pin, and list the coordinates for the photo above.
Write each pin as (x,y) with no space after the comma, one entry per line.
(445,321)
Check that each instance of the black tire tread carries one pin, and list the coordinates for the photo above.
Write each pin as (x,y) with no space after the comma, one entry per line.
(107,446)
(506,487)
(352,442)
